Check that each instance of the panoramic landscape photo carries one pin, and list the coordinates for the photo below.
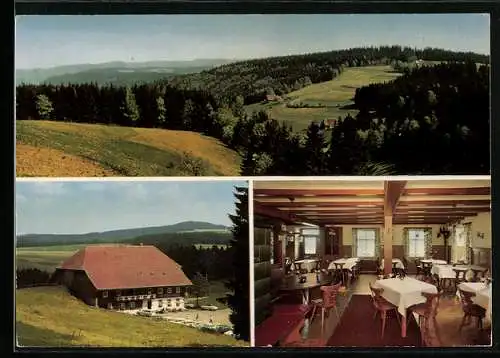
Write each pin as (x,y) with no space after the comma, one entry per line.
(229,95)
(132,264)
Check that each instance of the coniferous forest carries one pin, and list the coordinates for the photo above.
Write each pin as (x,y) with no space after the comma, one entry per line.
(433,119)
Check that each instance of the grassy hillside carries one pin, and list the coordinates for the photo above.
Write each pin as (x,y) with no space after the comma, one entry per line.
(50,317)
(326,100)
(45,258)
(46,148)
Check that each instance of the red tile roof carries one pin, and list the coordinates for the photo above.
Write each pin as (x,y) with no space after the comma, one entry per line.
(126,266)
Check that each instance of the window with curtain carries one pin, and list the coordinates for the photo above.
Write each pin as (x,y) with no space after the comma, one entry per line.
(311,237)
(366,242)
(310,245)
(416,242)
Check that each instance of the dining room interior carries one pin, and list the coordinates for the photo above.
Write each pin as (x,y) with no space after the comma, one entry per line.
(372,262)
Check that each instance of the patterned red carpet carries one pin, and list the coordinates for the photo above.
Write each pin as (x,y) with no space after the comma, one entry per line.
(357,328)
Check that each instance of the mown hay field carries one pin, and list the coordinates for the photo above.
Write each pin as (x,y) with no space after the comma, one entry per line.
(49,148)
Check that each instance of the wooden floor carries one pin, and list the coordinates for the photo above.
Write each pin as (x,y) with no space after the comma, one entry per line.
(449,318)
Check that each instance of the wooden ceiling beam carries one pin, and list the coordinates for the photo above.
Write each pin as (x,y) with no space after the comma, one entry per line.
(452,203)
(448,191)
(393,191)
(273,213)
(317,192)
(324,204)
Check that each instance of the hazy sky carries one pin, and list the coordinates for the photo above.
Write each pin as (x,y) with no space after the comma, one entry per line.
(44,207)
(45,41)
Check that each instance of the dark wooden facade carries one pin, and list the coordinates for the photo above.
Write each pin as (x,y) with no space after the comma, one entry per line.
(79,284)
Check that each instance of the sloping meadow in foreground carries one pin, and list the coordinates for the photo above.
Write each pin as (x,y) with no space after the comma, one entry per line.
(101,150)
(51,317)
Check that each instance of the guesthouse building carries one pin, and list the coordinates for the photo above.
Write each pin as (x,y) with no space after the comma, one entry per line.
(124,277)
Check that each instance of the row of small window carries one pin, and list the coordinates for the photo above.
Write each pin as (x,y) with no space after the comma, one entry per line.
(132,305)
(150,291)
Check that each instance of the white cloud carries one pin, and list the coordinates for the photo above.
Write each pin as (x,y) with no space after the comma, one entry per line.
(45,188)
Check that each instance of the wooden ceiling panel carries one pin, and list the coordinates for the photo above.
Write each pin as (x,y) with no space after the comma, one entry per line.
(342,202)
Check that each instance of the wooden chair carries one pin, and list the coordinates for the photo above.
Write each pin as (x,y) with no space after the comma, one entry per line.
(381,305)
(478,273)
(339,272)
(328,301)
(395,269)
(298,268)
(420,269)
(427,313)
(470,309)
(426,269)
(459,277)
(317,266)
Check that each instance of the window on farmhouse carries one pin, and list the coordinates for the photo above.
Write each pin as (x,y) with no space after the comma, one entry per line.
(122,305)
(105,294)
(150,291)
(118,293)
(132,305)
(160,291)
(169,290)
(177,290)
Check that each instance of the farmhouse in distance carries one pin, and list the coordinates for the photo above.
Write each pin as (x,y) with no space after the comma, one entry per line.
(124,277)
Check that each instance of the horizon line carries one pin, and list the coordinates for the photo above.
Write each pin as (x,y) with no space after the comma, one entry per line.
(130,228)
(235,59)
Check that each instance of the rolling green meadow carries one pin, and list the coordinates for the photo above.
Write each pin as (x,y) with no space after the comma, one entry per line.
(326,100)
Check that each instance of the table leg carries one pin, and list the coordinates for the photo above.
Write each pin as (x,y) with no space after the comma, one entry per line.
(403,326)
(305,297)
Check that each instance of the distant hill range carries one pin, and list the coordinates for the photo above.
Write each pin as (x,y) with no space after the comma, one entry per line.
(119,73)
(193,231)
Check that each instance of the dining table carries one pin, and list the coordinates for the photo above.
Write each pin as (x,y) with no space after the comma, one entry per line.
(434,261)
(482,294)
(307,264)
(312,280)
(398,262)
(347,263)
(404,292)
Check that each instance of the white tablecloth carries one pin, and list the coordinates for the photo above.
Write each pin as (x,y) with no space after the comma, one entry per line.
(398,262)
(483,299)
(308,264)
(349,263)
(483,294)
(434,262)
(404,292)
(443,271)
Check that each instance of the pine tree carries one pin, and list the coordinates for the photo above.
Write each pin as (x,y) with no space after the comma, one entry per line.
(315,150)
(129,108)
(44,107)
(161,112)
(239,300)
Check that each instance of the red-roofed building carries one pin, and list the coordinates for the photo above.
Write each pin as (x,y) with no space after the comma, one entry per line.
(124,277)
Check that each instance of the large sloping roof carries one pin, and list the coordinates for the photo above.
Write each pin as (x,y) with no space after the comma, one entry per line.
(126,266)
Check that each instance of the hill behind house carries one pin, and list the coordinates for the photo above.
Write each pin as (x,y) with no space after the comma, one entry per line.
(192,228)
(51,317)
